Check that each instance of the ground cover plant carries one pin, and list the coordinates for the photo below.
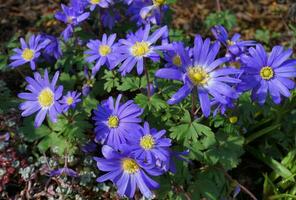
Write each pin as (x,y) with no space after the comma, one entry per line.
(118,99)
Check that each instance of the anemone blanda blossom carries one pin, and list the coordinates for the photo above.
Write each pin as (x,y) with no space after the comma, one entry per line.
(148,11)
(127,172)
(154,11)
(205,74)
(138,46)
(173,58)
(99,3)
(268,73)
(79,5)
(116,123)
(43,97)
(150,145)
(53,49)
(110,17)
(72,16)
(70,100)
(64,171)
(28,53)
(235,46)
(103,51)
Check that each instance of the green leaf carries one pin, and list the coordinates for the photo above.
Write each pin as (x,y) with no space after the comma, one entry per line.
(67,81)
(31,133)
(155,102)
(111,80)
(273,164)
(131,84)
(225,18)
(56,143)
(89,103)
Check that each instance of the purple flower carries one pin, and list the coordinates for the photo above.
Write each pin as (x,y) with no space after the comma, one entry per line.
(114,123)
(154,11)
(89,147)
(139,46)
(89,82)
(271,73)
(53,49)
(127,172)
(234,46)
(79,5)
(64,171)
(148,11)
(173,57)
(99,3)
(222,107)
(150,145)
(110,17)
(204,75)
(103,52)
(128,2)
(71,16)
(5,136)
(70,100)
(43,97)
(28,53)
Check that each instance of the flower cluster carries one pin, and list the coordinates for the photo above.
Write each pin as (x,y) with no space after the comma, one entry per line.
(215,73)
(130,151)
(44,97)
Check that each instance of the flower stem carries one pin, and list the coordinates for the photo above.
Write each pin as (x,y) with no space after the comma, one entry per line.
(193,102)
(218,5)
(148,84)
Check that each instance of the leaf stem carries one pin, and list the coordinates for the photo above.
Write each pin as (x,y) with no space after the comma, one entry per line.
(260,133)
(193,102)
(240,185)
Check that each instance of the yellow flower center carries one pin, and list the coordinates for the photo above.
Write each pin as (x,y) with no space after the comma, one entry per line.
(266,73)
(158,2)
(233,119)
(95,1)
(140,49)
(130,166)
(147,142)
(177,60)
(70,100)
(46,98)
(28,54)
(69,20)
(104,50)
(113,122)
(198,75)
(230,43)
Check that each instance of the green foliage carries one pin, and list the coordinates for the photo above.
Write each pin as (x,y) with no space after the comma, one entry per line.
(112,81)
(264,35)
(7,101)
(225,18)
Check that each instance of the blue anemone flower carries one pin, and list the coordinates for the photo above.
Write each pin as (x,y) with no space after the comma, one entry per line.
(72,16)
(103,52)
(205,74)
(127,172)
(139,46)
(43,97)
(64,171)
(173,57)
(150,145)
(235,46)
(70,100)
(28,53)
(99,3)
(271,73)
(116,122)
